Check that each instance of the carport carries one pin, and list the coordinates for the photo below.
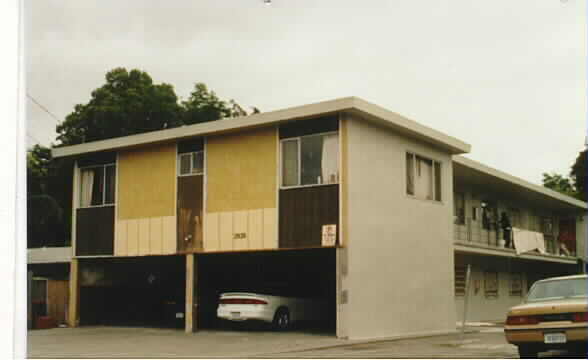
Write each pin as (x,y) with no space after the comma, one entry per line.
(140,291)
(298,273)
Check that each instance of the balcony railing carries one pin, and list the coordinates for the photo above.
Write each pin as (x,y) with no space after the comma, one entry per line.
(475,232)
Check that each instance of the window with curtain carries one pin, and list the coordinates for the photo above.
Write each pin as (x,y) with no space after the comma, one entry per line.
(310,160)
(98,185)
(423,177)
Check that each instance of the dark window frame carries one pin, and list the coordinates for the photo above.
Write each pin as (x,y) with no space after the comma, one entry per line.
(436,179)
(104,182)
(298,140)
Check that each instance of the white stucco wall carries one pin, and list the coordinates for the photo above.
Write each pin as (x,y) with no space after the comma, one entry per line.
(399,278)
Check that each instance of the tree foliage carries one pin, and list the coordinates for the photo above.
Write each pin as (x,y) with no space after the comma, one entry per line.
(49,199)
(578,176)
(575,184)
(128,103)
(559,183)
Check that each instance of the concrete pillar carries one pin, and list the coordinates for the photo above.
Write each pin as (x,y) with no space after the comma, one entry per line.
(191,293)
(73,315)
(342,330)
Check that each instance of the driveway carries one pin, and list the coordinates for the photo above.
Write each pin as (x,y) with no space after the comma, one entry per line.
(119,342)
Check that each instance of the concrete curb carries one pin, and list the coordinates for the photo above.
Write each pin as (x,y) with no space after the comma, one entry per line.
(366,341)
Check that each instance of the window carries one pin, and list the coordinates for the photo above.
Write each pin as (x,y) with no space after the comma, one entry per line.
(98,185)
(423,177)
(491,284)
(460,280)
(191,163)
(310,160)
(516,285)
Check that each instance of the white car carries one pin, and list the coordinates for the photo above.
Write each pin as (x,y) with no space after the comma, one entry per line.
(281,311)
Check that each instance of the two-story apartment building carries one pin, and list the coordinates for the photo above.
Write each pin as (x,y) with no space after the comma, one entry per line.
(165,221)
(496,217)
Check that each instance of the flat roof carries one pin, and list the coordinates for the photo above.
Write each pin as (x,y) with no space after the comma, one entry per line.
(477,173)
(365,110)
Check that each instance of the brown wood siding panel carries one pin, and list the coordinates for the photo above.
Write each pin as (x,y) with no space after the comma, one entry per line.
(310,126)
(57,296)
(190,189)
(95,231)
(303,212)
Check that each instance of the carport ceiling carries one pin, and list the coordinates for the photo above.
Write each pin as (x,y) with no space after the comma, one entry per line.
(499,188)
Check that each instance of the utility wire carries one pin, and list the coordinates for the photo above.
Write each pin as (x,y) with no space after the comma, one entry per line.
(33,138)
(44,108)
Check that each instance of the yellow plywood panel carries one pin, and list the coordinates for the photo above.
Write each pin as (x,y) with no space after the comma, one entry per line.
(226,231)
(146,182)
(156,235)
(241,170)
(255,229)
(132,238)
(211,228)
(240,230)
(269,229)
(169,235)
(144,236)
(120,240)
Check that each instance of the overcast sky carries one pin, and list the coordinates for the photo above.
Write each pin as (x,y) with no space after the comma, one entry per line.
(506,76)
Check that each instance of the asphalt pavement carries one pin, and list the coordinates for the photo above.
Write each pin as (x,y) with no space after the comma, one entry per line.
(120,342)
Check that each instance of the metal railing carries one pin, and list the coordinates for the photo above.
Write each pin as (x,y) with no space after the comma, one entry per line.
(471,231)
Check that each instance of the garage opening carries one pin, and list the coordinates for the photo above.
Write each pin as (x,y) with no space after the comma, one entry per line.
(140,291)
(309,273)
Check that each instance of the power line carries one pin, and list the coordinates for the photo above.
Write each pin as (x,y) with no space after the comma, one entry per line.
(44,108)
(34,138)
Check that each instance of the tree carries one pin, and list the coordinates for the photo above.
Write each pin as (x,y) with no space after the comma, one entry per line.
(49,199)
(559,183)
(129,103)
(578,176)
(203,105)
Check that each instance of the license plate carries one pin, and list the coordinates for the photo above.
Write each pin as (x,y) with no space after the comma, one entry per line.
(555,338)
(235,314)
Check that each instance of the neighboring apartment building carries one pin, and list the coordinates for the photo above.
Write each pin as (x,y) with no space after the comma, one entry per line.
(501,274)
(165,221)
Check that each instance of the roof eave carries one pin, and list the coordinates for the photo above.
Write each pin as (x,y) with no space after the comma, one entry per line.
(368,111)
(518,181)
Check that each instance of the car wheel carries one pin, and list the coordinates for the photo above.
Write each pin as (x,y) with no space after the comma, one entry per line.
(528,352)
(282,319)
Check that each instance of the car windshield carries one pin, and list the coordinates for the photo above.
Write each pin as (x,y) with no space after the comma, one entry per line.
(557,289)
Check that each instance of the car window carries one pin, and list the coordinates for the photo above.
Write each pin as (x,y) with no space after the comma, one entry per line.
(557,289)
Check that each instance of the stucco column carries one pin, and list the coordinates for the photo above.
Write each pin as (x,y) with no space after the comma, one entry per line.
(73,318)
(191,296)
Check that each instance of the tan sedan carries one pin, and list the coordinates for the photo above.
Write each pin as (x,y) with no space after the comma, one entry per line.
(553,316)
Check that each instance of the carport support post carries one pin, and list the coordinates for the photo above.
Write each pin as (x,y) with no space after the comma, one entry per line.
(74,293)
(191,286)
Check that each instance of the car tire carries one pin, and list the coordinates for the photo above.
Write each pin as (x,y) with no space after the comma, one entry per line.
(528,352)
(281,320)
